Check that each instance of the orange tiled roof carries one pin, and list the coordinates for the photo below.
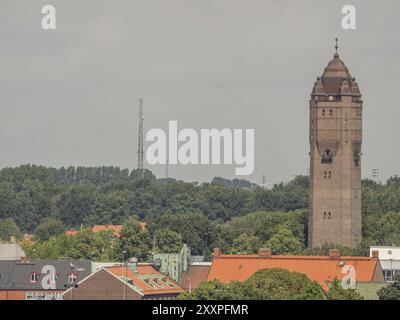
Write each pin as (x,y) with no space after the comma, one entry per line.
(71,232)
(147,279)
(322,269)
(115,228)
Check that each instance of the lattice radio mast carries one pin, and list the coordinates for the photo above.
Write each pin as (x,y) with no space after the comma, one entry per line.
(140,142)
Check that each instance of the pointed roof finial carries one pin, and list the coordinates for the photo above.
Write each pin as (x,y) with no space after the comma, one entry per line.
(336,48)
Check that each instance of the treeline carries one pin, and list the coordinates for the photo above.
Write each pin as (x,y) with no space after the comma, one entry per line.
(47,201)
(109,195)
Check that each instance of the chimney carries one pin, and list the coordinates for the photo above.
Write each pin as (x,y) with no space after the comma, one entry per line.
(265,253)
(216,253)
(334,254)
(132,264)
(375,254)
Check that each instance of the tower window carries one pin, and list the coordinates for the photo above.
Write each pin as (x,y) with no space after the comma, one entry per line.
(329,215)
(323,112)
(329,174)
(324,215)
(327,156)
(331,112)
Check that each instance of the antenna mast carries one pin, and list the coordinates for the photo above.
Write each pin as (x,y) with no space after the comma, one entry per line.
(140,143)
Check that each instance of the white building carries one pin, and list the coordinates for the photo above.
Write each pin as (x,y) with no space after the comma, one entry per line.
(389,257)
(11,251)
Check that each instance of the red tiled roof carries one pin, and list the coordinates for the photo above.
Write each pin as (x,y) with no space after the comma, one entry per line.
(196,274)
(322,269)
(115,228)
(71,232)
(157,283)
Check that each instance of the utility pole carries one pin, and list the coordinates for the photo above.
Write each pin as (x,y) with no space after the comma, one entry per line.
(140,138)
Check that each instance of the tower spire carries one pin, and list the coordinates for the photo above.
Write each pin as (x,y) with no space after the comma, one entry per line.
(336,48)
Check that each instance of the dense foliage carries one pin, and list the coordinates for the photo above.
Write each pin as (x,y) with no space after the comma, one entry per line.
(392,291)
(236,216)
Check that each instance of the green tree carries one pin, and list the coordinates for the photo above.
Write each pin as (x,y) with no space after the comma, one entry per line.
(246,244)
(271,284)
(48,228)
(168,241)
(392,291)
(280,284)
(133,241)
(337,292)
(284,242)
(215,290)
(8,229)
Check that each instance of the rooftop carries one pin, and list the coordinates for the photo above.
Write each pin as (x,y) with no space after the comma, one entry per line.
(146,279)
(323,269)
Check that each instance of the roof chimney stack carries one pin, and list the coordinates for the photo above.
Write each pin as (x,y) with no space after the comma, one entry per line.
(334,253)
(216,253)
(265,253)
(375,254)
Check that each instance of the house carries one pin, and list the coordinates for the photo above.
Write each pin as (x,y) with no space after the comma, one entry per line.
(11,251)
(131,281)
(323,269)
(196,274)
(389,257)
(40,280)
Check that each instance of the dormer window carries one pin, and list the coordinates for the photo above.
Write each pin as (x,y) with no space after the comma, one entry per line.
(34,278)
(72,277)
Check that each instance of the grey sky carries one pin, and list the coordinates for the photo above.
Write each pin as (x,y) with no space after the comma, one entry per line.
(70,96)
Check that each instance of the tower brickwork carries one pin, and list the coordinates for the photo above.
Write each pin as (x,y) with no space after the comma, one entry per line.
(335,158)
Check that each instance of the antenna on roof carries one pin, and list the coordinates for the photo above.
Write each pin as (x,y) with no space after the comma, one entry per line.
(140,138)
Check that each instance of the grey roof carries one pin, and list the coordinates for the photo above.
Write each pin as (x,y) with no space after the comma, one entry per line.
(196,259)
(17,274)
(11,251)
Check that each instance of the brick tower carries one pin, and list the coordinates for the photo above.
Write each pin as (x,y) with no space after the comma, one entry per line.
(335,158)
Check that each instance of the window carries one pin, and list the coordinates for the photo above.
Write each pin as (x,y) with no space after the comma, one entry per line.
(34,277)
(330,112)
(389,251)
(329,174)
(72,277)
(323,112)
(327,215)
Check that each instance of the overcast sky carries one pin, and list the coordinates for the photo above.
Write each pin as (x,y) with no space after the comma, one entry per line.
(70,96)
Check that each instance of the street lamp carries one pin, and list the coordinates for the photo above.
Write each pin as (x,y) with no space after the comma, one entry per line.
(126,272)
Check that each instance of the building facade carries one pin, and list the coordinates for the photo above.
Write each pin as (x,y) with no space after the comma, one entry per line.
(125,282)
(40,280)
(389,257)
(335,158)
